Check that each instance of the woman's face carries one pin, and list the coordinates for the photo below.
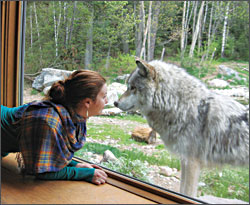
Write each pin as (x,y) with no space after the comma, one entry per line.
(97,106)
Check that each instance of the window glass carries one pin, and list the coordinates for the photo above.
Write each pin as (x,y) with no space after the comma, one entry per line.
(105,36)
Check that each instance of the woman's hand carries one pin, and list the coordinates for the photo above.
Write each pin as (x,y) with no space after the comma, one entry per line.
(100,177)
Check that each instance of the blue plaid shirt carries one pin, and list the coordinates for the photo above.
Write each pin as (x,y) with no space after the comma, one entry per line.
(49,136)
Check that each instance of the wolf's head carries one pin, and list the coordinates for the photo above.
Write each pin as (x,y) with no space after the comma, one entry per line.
(141,86)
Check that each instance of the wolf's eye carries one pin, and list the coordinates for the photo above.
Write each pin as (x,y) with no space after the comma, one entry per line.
(133,88)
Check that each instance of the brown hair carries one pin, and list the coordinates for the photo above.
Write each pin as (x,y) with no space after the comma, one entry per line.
(79,85)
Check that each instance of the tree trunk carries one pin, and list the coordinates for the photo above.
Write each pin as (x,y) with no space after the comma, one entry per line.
(108,57)
(162,53)
(65,18)
(31,33)
(154,27)
(72,23)
(143,50)
(37,28)
(188,18)
(194,17)
(224,31)
(140,30)
(56,25)
(197,30)
(149,28)
(202,26)
(89,43)
(183,29)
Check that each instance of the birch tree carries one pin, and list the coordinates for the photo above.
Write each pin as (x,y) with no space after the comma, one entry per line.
(72,23)
(37,27)
(89,42)
(65,18)
(224,32)
(56,24)
(31,28)
(183,30)
(197,30)
(153,30)
(143,50)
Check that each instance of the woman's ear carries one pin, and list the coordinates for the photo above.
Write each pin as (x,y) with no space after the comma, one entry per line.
(87,102)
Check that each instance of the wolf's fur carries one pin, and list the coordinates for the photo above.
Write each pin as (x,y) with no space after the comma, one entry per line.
(199,125)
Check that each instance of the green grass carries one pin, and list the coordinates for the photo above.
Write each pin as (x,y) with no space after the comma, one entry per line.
(226,183)
(160,158)
(233,183)
(113,131)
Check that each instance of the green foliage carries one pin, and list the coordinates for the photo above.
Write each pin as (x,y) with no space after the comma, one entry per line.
(34,92)
(119,65)
(115,26)
(161,158)
(134,168)
(226,183)
(193,67)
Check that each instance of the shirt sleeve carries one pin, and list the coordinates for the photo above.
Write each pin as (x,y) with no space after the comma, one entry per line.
(69,173)
(73,163)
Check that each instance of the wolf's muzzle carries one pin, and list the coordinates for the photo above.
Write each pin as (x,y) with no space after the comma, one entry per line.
(116,104)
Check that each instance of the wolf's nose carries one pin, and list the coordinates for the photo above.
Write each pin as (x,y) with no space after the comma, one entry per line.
(115,103)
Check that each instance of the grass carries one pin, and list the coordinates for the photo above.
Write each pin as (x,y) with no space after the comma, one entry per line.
(226,183)
(161,158)
(106,130)
(232,183)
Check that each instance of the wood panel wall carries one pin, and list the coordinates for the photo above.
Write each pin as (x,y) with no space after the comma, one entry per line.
(10,52)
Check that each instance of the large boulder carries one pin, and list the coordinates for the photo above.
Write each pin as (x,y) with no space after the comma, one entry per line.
(114,91)
(224,70)
(48,76)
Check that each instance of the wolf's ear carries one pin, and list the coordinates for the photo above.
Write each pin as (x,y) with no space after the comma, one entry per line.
(145,70)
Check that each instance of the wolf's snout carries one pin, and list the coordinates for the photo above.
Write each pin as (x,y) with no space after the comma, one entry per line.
(115,103)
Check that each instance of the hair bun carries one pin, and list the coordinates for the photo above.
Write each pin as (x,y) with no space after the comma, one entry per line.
(57,92)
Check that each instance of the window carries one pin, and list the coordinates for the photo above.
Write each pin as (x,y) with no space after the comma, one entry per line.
(94,35)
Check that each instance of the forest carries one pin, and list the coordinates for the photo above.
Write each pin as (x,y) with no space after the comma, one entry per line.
(101,35)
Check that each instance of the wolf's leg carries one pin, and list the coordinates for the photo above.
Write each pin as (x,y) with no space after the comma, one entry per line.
(190,172)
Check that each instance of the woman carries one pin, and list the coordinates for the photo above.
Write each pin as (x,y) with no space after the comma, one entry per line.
(48,132)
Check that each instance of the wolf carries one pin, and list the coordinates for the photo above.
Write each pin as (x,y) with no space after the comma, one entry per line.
(201,126)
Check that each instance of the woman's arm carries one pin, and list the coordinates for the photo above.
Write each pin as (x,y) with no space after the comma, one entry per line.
(69,173)
(81,171)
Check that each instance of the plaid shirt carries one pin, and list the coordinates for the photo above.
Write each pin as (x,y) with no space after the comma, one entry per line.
(49,136)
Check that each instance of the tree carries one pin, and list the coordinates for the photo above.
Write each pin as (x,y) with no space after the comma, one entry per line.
(197,30)
(224,31)
(89,41)
(153,30)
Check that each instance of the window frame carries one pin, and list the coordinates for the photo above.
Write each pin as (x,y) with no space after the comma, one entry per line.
(13,16)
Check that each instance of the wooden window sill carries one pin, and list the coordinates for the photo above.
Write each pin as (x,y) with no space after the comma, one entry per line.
(119,189)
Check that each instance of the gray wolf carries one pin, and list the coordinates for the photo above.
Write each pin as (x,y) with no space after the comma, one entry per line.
(202,127)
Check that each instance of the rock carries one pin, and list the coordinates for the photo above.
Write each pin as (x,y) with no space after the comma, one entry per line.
(218,83)
(224,70)
(111,111)
(48,76)
(114,91)
(234,92)
(166,171)
(144,134)
(108,156)
(121,78)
